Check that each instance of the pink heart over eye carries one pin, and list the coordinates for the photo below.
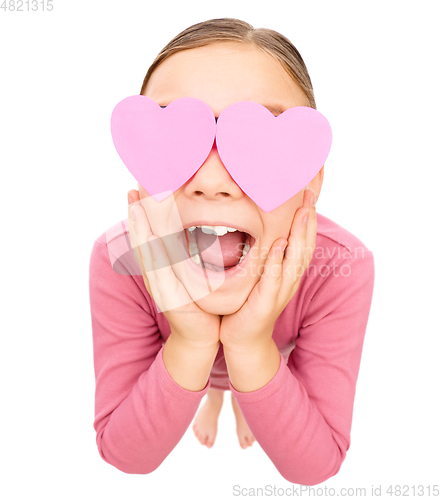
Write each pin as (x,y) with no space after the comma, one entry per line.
(162,148)
(272,158)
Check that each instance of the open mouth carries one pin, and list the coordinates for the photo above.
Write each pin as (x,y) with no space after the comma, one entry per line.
(231,250)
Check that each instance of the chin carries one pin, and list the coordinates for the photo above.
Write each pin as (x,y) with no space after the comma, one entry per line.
(213,305)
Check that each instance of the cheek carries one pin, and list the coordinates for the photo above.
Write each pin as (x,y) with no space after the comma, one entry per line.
(290,208)
(277,224)
(142,192)
(282,216)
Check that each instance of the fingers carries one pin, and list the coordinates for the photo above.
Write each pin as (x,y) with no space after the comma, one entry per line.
(301,244)
(132,196)
(139,230)
(140,223)
(169,292)
(311,230)
(155,264)
(288,260)
(166,288)
(270,281)
(160,280)
(295,252)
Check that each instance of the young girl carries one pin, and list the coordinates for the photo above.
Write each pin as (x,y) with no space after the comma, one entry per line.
(285,335)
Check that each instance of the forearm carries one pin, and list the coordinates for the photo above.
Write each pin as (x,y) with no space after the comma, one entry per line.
(188,366)
(141,413)
(251,368)
(146,425)
(271,412)
(291,430)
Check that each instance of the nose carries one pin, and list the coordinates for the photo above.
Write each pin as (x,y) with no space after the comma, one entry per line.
(212,181)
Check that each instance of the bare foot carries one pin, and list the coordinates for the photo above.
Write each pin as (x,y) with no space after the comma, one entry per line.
(205,424)
(244,433)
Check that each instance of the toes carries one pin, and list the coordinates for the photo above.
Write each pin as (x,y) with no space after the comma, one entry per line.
(204,439)
(209,441)
(243,442)
(246,440)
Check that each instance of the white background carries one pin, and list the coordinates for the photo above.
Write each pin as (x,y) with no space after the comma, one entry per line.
(375,71)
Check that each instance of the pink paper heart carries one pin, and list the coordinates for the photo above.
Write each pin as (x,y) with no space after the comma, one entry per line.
(272,158)
(162,148)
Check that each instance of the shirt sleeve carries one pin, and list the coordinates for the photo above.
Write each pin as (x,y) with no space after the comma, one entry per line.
(141,413)
(302,418)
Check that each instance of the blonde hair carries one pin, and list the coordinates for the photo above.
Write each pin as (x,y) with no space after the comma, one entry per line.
(229,29)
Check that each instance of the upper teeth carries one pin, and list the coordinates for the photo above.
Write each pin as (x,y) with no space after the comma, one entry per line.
(217,230)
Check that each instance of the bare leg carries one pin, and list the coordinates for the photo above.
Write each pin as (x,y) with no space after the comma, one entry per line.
(205,424)
(244,433)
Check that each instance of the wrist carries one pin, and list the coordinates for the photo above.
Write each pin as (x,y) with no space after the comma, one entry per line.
(208,345)
(249,347)
(250,370)
(188,365)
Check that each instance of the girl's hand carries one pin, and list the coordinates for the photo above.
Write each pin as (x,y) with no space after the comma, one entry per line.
(195,327)
(254,322)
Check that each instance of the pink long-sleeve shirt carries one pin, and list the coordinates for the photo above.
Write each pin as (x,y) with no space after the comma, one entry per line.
(301,418)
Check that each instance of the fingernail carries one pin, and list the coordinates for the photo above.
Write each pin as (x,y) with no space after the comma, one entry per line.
(130,199)
(132,213)
(313,199)
(305,219)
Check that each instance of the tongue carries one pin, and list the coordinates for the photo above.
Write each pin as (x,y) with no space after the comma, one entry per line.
(230,244)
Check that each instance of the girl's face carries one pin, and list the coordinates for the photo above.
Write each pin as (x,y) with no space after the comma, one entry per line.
(222,74)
